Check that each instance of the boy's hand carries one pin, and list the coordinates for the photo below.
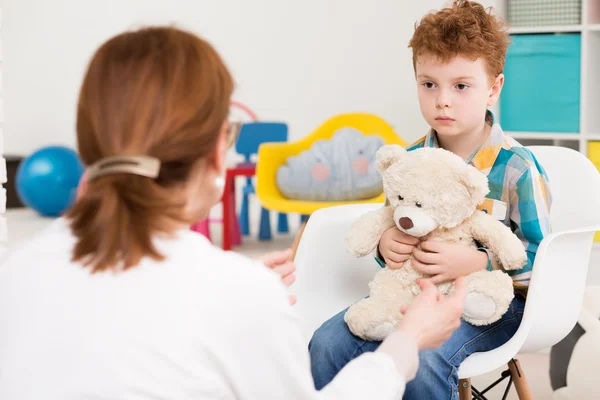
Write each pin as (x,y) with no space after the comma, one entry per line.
(396,247)
(281,262)
(447,261)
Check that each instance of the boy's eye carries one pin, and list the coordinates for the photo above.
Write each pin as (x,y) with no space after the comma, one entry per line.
(461,86)
(429,85)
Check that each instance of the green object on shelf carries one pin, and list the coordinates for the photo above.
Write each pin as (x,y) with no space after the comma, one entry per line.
(542,87)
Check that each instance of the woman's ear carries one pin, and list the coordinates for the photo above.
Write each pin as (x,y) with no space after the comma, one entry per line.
(495,90)
(221,153)
(216,161)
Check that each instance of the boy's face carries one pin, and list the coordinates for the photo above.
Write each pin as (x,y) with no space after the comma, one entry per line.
(454,95)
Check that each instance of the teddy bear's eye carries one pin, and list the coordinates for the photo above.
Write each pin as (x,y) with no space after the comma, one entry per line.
(400,197)
(419,205)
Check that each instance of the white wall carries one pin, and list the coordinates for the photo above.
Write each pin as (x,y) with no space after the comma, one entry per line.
(297,61)
(3,227)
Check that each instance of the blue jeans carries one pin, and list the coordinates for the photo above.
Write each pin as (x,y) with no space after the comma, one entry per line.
(333,346)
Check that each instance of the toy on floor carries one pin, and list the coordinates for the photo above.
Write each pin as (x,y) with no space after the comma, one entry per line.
(432,194)
(47,180)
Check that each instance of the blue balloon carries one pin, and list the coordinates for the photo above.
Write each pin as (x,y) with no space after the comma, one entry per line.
(47,180)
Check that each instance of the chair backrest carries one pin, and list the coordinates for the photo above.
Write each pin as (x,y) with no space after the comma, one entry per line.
(560,271)
(274,155)
(573,183)
(329,279)
(368,124)
(559,274)
(253,134)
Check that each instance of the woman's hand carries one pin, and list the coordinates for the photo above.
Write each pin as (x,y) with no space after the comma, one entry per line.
(447,261)
(432,317)
(281,262)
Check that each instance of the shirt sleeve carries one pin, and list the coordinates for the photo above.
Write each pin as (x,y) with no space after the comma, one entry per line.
(377,255)
(269,358)
(490,265)
(530,201)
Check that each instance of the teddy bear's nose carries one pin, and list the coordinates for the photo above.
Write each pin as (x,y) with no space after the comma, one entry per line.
(406,223)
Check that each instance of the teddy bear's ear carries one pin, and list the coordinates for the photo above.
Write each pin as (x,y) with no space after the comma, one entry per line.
(387,155)
(476,183)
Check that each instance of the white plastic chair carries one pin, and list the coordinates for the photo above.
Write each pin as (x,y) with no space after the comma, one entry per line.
(584,364)
(329,279)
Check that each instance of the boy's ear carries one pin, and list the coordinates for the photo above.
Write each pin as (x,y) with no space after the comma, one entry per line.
(495,90)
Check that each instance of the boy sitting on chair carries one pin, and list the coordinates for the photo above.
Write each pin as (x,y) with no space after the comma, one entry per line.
(458,58)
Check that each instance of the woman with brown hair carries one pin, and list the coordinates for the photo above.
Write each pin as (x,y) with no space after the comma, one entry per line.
(118,299)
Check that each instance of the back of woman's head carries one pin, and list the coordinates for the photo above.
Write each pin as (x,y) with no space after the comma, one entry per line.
(158,92)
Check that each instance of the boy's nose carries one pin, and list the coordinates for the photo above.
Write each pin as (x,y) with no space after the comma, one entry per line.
(443,102)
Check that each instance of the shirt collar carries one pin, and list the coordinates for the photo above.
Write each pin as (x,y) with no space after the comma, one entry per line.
(485,156)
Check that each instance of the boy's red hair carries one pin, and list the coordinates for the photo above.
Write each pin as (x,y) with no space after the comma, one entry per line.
(466,29)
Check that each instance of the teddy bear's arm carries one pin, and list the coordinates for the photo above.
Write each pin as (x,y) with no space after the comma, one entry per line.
(497,237)
(366,231)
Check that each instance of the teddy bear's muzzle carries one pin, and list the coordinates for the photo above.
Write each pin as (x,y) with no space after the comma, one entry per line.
(414,221)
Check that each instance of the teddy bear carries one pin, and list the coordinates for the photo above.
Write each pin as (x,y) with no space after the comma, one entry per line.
(431,194)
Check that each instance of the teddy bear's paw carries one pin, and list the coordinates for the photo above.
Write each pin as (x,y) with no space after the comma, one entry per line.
(479,308)
(380,331)
(515,259)
(489,294)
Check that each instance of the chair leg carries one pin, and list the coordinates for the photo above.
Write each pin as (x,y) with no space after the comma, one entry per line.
(519,380)
(297,239)
(264,232)
(464,389)
(282,223)
(202,227)
(236,236)
(244,220)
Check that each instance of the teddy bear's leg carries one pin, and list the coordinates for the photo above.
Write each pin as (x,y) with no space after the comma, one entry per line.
(375,317)
(489,294)
(372,318)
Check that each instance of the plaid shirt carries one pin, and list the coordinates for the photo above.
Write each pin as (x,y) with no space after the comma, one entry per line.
(519,192)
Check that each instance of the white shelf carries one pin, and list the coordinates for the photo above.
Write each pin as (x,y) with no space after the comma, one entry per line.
(546,29)
(589,116)
(544,135)
(554,29)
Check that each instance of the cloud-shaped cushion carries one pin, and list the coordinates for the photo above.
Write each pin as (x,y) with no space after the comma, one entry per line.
(341,168)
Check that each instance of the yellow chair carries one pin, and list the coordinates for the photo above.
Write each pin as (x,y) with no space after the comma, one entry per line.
(272,155)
